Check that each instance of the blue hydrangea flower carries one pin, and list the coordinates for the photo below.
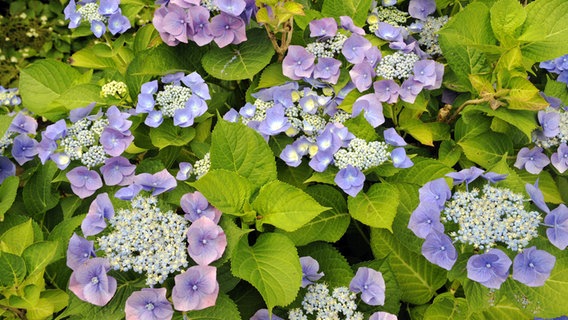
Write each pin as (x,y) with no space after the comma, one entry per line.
(90,282)
(372,107)
(148,303)
(158,182)
(420,9)
(227,29)
(557,222)
(532,266)
(118,171)
(438,249)
(425,219)
(262,314)
(559,159)
(195,289)
(24,148)
(298,63)
(84,182)
(400,159)
(323,28)
(206,240)
(465,175)
(195,206)
(7,168)
(99,210)
(22,123)
(310,268)
(533,160)
(79,251)
(490,269)
(354,48)
(435,191)
(350,179)
(371,285)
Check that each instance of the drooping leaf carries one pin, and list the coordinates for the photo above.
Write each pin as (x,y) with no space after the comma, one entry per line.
(38,255)
(12,269)
(271,265)
(285,206)
(17,238)
(8,191)
(239,62)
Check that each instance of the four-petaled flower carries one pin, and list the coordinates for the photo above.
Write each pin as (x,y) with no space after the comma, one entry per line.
(206,241)
(532,266)
(490,269)
(195,289)
(371,285)
(91,283)
(148,304)
(310,267)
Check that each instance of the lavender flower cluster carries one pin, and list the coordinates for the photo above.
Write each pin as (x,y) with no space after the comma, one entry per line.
(315,120)
(9,97)
(148,240)
(181,97)
(18,136)
(558,66)
(483,219)
(341,303)
(184,20)
(552,135)
(98,14)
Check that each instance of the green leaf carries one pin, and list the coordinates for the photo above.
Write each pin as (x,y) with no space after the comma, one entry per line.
(462,40)
(523,95)
(38,255)
(449,152)
(361,128)
(356,9)
(504,310)
(40,193)
(44,81)
(236,147)
(376,207)
(336,269)
(17,238)
(523,120)
(8,191)
(478,296)
(487,149)
(507,16)
(544,34)
(285,206)
(78,96)
(12,269)
(225,190)
(145,37)
(446,306)
(168,134)
(224,309)
(409,193)
(328,226)
(92,58)
(418,278)
(309,16)
(556,89)
(423,170)
(57,297)
(272,266)
(272,76)
(239,62)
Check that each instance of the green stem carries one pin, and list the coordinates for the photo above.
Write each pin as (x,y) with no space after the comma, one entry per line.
(455,286)
(463,105)
(18,312)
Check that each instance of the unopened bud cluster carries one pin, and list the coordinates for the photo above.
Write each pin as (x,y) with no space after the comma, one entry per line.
(319,303)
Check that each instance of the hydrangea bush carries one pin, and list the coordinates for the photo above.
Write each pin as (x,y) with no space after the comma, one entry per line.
(240,159)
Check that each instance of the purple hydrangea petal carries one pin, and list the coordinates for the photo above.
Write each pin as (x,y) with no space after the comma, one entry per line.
(148,303)
(206,240)
(298,63)
(387,90)
(532,267)
(350,179)
(536,196)
(371,285)
(420,9)
(435,191)
(425,219)
(354,48)
(310,267)
(262,314)
(323,28)
(84,182)
(557,221)
(195,206)
(490,269)
(90,282)
(465,175)
(79,251)
(158,182)
(400,159)
(7,168)
(533,160)
(393,138)
(559,159)
(196,288)
(438,249)
(24,148)
(22,123)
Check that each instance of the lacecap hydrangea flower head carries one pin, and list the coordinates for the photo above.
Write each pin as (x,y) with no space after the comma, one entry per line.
(490,222)
(100,15)
(149,238)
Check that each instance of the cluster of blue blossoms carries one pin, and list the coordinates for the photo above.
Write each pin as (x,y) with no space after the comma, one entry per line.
(551,137)
(180,21)
(486,220)
(98,14)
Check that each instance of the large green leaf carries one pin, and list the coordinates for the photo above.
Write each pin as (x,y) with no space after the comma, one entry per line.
(376,207)
(487,149)
(78,96)
(63,232)
(446,306)
(17,238)
(423,170)
(38,255)
(225,190)
(272,76)
(12,269)
(418,278)
(462,40)
(356,9)
(8,191)
(236,147)
(224,309)
(40,193)
(239,62)
(544,35)
(44,81)
(408,195)
(523,120)
(285,206)
(507,16)
(272,266)
(328,226)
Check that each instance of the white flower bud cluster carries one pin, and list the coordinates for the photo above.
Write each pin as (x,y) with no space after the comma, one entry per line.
(259,112)
(146,240)
(114,88)
(362,154)
(201,167)
(5,142)
(90,11)
(398,65)
(328,48)
(172,98)
(561,137)
(390,15)
(497,215)
(340,116)
(210,5)
(319,303)
(81,142)
(429,34)
(6,96)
